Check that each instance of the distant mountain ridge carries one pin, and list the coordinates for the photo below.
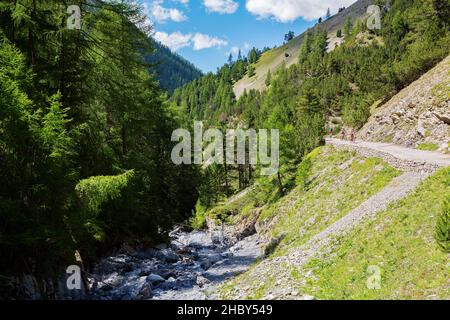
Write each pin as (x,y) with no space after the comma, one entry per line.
(288,53)
(171,69)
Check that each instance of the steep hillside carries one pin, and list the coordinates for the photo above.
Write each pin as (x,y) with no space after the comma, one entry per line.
(171,69)
(418,116)
(326,241)
(288,53)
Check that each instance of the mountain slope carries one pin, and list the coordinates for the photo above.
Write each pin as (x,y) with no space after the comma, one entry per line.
(275,58)
(172,70)
(418,116)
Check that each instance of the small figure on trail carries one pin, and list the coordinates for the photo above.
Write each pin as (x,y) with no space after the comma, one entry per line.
(343,134)
(330,132)
(352,135)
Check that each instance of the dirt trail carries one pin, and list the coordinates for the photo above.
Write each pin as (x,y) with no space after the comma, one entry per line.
(400,157)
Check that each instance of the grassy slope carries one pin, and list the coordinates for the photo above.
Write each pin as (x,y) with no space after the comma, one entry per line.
(334,178)
(274,59)
(271,60)
(339,182)
(400,242)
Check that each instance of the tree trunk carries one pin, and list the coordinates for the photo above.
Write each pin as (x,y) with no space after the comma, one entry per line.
(124,141)
(227,184)
(31,48)
(280,183)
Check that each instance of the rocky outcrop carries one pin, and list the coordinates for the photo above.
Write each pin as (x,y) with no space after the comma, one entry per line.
(417,116)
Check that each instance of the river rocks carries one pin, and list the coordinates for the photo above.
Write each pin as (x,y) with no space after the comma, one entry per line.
(164,274)
(144,273)
(128,250)
(169,256)
(444,117)
(167,274)
(444,147)
(121,263)
(205,265)
(201,281)
(209,260)
(155,279)
(146,292)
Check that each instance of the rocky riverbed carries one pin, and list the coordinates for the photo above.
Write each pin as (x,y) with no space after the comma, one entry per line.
(191,267)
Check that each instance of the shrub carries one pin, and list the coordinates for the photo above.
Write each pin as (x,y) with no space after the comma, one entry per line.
(198,220)
(303,173)
(95,191)
(442,233)
(251,71)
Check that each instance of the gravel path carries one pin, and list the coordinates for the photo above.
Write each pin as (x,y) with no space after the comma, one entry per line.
(402,158)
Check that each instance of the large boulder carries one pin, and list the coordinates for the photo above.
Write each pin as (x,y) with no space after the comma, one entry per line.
(155,279)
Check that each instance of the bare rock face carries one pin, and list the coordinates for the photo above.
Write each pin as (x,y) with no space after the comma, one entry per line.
(417,115)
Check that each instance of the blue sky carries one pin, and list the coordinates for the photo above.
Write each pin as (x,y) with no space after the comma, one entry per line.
(206,31)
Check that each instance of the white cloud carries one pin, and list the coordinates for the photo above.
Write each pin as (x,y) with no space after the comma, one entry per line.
(290,10)
(221,6)
(162,14)
(234,51)
(182,1)
(198,41)
(203,41)
(174,41)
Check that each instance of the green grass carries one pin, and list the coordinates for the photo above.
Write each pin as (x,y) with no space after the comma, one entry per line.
(331,194)
(339,181)
(428,147)
(271,60)
(400,242)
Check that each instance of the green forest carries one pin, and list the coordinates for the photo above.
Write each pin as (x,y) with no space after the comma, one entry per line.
(85,137)
(171,70)
(85,126)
